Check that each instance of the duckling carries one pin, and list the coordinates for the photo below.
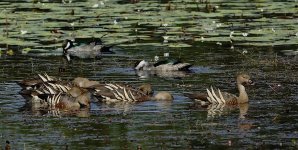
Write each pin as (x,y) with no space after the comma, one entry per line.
(218,97)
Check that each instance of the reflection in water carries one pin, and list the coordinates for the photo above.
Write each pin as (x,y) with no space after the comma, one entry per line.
(40,109)
(164,105)
(120,107)
(214,110)
(243,108)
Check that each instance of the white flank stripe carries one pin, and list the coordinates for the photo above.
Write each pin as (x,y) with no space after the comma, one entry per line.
(42,78)
(121,87)
(63,88)
(48,77)
(112,85)
(122,96)
(108,87)
(50,89)
(54,86)
(49,101)
(211,100)
(221,97)
(117,97)
(215,96)
(126,95)
(39,92)
(133,97)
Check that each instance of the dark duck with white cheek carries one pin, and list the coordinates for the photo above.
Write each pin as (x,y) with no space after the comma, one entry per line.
(91,50)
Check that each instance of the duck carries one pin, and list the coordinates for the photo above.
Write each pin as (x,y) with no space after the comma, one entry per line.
(118,92)
(45,84)
(163,65)
(215,96)
(91,50)
(75,99)
(30,83)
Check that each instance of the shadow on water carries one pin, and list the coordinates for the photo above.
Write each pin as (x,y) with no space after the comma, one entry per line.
(219,38)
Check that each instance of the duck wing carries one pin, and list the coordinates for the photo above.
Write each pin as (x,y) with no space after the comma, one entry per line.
(218,97)
(39,79)
(172,64)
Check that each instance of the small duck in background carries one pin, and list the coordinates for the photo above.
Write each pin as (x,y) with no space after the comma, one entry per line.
(163,65)
(91,50)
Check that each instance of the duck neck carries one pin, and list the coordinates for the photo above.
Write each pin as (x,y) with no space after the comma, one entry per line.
(243,97)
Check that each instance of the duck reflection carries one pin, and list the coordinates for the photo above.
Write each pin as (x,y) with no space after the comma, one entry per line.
(217,110)
(163,100)
(214,110)
(41,109)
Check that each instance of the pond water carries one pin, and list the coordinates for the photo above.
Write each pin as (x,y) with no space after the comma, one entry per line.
(220,39)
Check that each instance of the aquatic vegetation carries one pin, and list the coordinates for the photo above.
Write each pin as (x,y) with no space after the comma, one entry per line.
(215,20)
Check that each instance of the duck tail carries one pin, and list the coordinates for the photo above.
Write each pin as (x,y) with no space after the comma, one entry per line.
(107,49)
(184,66)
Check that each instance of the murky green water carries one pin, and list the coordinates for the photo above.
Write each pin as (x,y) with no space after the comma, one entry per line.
(195,33)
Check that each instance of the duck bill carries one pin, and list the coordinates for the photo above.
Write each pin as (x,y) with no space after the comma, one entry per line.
(250,82)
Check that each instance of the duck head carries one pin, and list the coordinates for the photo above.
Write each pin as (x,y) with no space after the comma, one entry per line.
(146,88)
(84,100)
(244,79)
(66,45)
(141,65)
(163,96)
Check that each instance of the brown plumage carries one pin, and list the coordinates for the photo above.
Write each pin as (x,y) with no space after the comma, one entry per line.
(146,88)
(45,84)
(218,97)
(74,99)
(113,92)
(163,96)
(49,92)
(39,79)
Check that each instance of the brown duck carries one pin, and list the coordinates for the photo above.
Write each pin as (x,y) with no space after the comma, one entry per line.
(74,99)
(215,96)
(117,92)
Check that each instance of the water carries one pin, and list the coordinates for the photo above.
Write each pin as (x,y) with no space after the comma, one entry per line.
(271,120)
